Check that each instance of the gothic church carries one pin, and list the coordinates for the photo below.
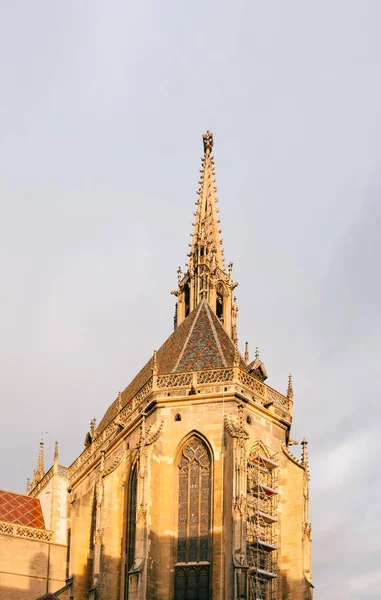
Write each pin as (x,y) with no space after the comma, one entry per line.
(187,489)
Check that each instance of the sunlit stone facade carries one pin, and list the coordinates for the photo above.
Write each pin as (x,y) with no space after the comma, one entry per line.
(187,488)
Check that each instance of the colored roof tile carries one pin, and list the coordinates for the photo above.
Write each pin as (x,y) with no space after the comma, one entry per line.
(199,343)
(21,510)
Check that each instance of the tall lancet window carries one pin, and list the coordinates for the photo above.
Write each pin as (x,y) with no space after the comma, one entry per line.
(187,299)
(192,568)
(131,533)
(220,302)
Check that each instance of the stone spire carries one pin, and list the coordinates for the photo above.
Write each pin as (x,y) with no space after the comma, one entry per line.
(40,471)
(206,239)
(206,276)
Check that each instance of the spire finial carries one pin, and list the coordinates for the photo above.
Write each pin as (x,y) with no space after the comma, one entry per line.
(208,142)
(154,364)
(119,402)
(247,360)
(93,426)
(290,390)
(234,320)
(40,471)
(256,353)
(304,452)
(55,459)
(40,463)
(28,486)
(56,451)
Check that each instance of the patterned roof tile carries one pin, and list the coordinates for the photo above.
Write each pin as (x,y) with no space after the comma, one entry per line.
(199,343)
(21,510)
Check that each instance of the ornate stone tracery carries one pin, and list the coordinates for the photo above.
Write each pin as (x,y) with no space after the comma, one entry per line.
(194,514)
(236,429)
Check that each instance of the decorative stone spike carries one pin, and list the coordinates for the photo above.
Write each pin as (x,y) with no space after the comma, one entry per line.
(93,426)
(304,452)
(290,390)
(247,353)
(119,402)
(256,353)
(55,461)
(154,366)
(40,471)
(56,451)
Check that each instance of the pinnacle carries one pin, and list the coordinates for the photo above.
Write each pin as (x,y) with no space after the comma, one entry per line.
(290,390)
(40,471)
(247,360)
(56,451)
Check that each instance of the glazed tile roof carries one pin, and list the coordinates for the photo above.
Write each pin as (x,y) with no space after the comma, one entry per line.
(21,510)
(199,343)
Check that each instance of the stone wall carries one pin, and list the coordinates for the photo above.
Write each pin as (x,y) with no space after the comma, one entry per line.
(29,568)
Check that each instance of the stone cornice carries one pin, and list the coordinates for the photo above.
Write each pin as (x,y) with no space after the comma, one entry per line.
(210,383)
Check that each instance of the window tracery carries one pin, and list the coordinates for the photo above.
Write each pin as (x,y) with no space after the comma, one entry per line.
(192,578)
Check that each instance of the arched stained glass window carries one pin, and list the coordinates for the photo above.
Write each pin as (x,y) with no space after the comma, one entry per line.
(192,569)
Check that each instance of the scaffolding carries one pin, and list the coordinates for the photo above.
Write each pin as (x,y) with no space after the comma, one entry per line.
(262,503)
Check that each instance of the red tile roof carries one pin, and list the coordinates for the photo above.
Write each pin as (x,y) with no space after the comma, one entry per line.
(21,510)
(199,343)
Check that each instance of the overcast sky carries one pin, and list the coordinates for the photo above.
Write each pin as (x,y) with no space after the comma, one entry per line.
(102,108)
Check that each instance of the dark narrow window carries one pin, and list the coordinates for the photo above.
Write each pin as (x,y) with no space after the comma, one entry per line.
(220,305)
(132,519)
(187,299)
(192,569)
